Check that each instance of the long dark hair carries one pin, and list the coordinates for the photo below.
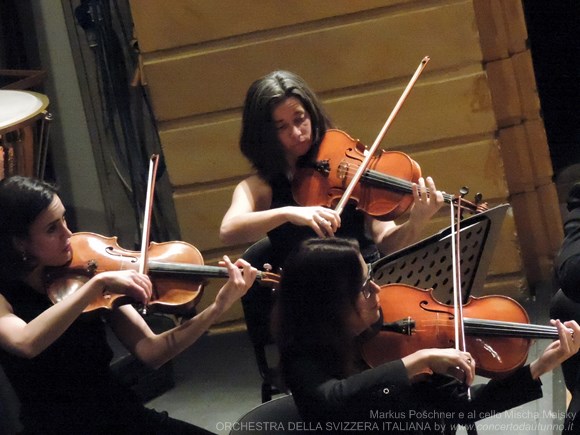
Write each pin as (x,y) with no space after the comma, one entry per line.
(319,287)
(259,139)
(22,199)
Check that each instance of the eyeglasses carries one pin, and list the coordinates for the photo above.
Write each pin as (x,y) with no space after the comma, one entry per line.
(366,289)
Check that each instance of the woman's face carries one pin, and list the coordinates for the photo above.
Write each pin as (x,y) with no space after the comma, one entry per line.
(294,128)
(367,304)
(48,240)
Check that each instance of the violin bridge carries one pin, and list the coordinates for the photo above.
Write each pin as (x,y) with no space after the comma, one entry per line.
(342,170)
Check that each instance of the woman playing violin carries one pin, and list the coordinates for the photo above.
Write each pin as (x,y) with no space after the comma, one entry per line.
(327,297)
(56,359)
(282,128)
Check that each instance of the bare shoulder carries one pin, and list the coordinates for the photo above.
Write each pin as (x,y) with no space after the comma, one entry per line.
(257,183)
(256,191)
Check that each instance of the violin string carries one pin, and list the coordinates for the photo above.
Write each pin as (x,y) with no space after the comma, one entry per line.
(401,185)
(192,269)
(500,328)
(522,329)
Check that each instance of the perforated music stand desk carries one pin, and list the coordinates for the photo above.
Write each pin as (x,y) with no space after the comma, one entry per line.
(428,263)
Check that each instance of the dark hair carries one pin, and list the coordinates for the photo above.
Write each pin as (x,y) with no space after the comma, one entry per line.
(319,287)
(259,139)
(22,200)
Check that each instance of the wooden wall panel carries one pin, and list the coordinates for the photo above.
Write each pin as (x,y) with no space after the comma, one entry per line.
(200,214)
(439,107)
(522,139)
(162,26)
(204,153)
(333,57)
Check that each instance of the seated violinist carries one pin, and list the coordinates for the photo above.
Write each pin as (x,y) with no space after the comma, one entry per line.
(327,297)
(283,126)
(57,359)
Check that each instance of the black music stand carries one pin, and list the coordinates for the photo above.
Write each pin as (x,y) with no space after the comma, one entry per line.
(428,263)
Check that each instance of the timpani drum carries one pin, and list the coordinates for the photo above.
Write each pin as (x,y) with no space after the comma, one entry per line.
(24,123)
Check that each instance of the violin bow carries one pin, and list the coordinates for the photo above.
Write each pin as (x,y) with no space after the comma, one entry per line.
(153,164)
(362,168)
(459,326)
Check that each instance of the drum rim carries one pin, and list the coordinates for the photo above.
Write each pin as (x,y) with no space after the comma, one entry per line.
(27,117)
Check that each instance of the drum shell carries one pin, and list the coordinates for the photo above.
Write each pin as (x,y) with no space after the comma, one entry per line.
(23,133)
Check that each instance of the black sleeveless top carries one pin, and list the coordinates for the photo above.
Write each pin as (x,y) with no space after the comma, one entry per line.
(70,383)
(287,236)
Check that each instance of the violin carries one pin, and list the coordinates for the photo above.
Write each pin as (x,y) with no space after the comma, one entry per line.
(385,187)
(497,330)
(175,268)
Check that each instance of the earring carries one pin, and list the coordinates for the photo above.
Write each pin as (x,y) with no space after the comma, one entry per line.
(24,257)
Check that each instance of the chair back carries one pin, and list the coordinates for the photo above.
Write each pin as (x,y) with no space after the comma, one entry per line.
(277,416)
(257,304)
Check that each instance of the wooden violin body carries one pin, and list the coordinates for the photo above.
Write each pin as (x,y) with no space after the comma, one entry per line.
(385,190)
(175,268)
(497,330)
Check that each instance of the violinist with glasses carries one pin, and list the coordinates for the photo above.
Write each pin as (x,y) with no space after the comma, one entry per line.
(327,298)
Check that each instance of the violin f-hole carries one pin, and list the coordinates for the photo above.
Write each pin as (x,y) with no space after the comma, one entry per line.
(111,251)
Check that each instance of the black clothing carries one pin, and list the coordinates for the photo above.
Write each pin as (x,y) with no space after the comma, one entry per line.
(382,400)
(564,308)
(565,304)
(69,387)
(287,236)
(257,302)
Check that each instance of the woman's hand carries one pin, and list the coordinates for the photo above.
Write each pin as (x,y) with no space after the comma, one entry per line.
(447,361)
(558,351)
(242,276)
(324,221)
(427,201)
(127,282)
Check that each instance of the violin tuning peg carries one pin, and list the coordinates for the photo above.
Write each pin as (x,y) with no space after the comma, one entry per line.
(267,267)
(478,198)
(463,191)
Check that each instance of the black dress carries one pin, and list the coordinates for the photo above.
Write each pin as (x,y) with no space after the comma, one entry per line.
(69,387)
